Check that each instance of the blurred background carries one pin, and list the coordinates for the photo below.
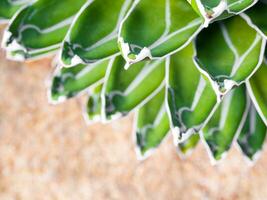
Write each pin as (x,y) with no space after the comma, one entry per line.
(48,153)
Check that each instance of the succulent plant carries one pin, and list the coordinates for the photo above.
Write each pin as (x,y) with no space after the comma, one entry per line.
(193,68)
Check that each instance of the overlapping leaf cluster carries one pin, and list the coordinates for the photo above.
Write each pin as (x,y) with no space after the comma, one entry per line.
(195,68)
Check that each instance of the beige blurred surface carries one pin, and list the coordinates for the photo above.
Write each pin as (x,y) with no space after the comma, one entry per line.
(48,153)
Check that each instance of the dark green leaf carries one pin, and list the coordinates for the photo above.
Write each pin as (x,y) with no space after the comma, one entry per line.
(257,16)
(228,53)
(252,136)
(191,99)
(156,28)
(258,91)
(68,82)
(237,6)
(93,35)
(152,125)
(39,28)
(226,123)
(126,89)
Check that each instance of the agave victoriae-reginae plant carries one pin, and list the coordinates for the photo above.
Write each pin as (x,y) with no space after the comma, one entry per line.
(195,68)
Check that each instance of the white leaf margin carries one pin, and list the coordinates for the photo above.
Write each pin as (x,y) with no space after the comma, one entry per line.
(15,45)
(56,71)
(239,129)
(176,130)
(218,10)
(230,84)
(257,155)
(78,60)
(151,151)
(118,114)
(145,51)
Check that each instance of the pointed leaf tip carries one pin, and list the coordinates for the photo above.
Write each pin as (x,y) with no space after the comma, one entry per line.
(93,34)
(226,60)
(34,32)
(190,97)
(226,124)
(144,35)
(69,82)
(124,89)
(253,134)
(152,125)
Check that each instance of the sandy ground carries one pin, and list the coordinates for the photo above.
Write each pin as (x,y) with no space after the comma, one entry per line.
(47,153)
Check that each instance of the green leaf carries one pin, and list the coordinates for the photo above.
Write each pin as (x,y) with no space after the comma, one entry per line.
(93,35)
(252,136)
(94,105)
(188,145)
(9,7)
(225,58)
(191,99)
(68,82)
(124,89)
(152,125)
(39,28)
(258,91)
(238,6)
(257,15)
(210,10)
(226,123)
(156,28)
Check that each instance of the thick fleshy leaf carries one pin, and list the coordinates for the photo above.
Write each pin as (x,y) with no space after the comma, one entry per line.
(188,145)
(68,82)
(237,6)
(156,28)
(126,89)
(152,125)
(252,136)
(210,10)
(226,123)
(9,7)
(257,16)
(191,98)
(228,53)
(94,105)
(39,28)
(258,91)
(93,35)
